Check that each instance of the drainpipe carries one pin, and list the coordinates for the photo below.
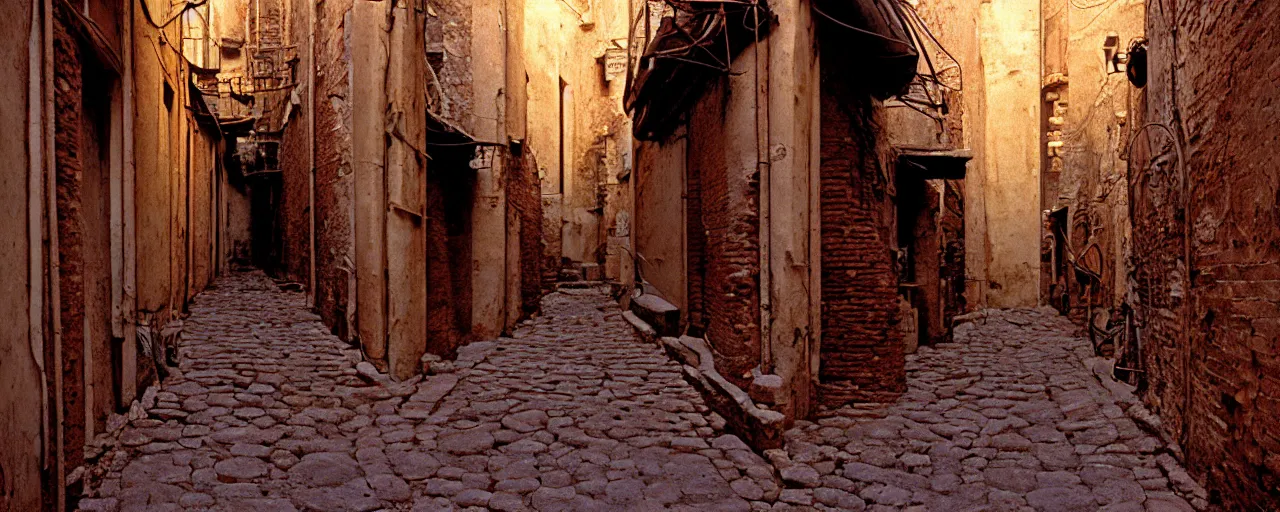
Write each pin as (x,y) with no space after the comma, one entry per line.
(763,168)
(311,153)
(128,289)
(35,241)
(51,245)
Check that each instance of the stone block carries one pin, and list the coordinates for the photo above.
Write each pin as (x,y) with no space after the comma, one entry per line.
(663,316)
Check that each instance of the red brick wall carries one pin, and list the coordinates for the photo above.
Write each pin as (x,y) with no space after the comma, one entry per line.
(695,229)
(1211,353)
(861,354)
(294,216)
(71,239)
(729,214)
(334,193)
(524,194)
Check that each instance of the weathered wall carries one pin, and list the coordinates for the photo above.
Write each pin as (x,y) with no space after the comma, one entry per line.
(956,26)
(455,71)
(728,220)
(1091,178)
(204,175)
(525,196)
(581,164)
(1010,46)
(295,151)
(334,192)
(862,356)
(20,401)
(1209,350)
(156,121)
(71,235)
(494,70)
(660,211)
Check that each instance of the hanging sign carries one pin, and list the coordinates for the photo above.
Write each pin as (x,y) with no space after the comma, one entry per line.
(615,63)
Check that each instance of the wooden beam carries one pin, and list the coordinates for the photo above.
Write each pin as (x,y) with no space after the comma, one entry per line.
(369,42)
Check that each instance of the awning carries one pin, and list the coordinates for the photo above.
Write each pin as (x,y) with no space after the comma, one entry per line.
(448,141)
(687,51)
(886,53)
(933,164)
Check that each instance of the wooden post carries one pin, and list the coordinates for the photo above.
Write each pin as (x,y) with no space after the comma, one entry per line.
(792,107)
(368,103)
(406,193)
(489,217)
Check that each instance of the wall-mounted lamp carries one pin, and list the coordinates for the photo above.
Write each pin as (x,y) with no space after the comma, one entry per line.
(1115,58)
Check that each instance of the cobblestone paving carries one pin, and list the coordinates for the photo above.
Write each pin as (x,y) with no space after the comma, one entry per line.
(268,412)
(1007,418)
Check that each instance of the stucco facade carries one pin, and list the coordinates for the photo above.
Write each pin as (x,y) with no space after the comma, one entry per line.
(119,182)
(414,243)
(577,127)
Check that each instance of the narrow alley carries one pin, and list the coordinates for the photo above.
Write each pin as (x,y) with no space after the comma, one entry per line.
(617,255)
(268,411)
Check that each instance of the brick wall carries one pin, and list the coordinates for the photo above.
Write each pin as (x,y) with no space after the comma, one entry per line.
(524,194)
(335,222)
(294,216)
(450,189)
(861,354)
(730,220)
(71,237)
(695,242)
(551,242)
(1211,353)
(705,150)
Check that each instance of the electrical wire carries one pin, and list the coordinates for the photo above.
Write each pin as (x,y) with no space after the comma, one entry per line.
(146,11)
(864,31)
(1075,3)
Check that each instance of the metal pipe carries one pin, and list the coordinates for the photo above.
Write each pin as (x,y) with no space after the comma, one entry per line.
(35,148)
(51,246)
(763,167)
(310,114)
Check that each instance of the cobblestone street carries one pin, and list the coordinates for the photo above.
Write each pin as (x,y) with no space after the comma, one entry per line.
(1007,418)
(268,412)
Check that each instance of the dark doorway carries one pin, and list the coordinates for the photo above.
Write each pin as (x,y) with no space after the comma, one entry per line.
(930,233)
(102,350)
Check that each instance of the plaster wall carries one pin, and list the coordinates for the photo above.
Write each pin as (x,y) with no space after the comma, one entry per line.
(156,126)
(494,70)
(566,43)
(660,217)
(1010,46)
(1092,181)
(956,25)
(204,167)
(20,341)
